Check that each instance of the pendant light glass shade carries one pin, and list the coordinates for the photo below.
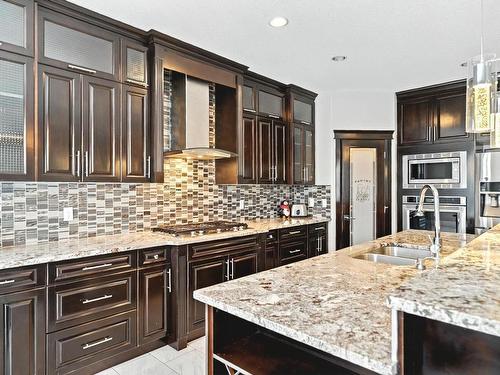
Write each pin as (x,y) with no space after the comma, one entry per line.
(495,122)
(481,90)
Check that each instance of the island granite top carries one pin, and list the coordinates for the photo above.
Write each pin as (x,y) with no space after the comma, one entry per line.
(26,255)
(464,290)
(333,302)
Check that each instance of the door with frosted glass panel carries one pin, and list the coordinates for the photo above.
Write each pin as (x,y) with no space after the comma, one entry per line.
(16,117)
(363,191)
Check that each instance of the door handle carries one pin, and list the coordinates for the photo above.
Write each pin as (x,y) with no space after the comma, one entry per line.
(148,171)
(232,268)
(349,218)
(86,163)
(78,163)
(169,286)
(228,273)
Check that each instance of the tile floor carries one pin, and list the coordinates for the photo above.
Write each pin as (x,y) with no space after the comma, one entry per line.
(165,361)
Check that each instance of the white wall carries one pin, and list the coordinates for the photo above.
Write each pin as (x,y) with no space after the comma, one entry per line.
(351,110)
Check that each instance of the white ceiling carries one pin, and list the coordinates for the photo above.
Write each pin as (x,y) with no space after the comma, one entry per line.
(390,44)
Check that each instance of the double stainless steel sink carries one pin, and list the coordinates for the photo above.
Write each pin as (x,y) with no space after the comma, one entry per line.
(395,255)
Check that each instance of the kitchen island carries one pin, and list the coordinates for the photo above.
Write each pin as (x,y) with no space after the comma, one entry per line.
(328,314)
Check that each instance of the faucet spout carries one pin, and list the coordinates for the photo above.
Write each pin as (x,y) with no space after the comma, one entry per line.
(436,245)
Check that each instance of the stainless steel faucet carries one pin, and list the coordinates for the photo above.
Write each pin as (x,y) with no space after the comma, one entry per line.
(436,243)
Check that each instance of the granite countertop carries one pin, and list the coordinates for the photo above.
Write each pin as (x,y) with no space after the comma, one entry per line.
(333,302)
(464,290)
(25,255)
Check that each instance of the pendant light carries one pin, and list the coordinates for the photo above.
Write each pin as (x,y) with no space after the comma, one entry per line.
(495,121)
(481,89)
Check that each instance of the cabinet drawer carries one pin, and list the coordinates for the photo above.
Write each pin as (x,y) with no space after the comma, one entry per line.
(293,251)
(293,233)
(82,302)
(220,247)
(74,348)
(91,267)
(18,279)
(149,257)
(317,228)
(271,237)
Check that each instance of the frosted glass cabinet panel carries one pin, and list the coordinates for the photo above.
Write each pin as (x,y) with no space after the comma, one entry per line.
(16,116)
(16,26)
(70,44)
(136,66)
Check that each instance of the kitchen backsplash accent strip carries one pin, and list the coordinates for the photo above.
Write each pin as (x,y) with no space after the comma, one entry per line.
(33,212)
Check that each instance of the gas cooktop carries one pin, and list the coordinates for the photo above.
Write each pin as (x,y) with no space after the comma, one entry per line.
(200,229)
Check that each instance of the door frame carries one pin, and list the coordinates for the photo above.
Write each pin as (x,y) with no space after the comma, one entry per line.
(384,218)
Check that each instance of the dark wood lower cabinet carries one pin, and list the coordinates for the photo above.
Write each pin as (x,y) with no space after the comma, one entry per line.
(22,332)
(243,265)
(154,285)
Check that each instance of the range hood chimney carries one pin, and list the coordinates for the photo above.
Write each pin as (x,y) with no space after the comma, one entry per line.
(190,121)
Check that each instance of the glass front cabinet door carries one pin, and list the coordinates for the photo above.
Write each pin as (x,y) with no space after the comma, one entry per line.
(16,26)
(16,117)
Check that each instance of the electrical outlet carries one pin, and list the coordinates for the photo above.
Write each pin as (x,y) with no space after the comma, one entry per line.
(242,204)
(324,203)
(68,214)
(311,202)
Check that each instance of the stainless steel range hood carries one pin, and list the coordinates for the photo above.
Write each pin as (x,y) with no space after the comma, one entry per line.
(190,121)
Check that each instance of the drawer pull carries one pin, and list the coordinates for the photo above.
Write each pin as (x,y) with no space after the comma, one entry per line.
(319,228)
(273,115)
(156,256)
(270,237)
(249,110)
(82,69)
(97,267)
(295,232)
(135,82)
(4,282)
(106,296)
(294,251)
(95,343)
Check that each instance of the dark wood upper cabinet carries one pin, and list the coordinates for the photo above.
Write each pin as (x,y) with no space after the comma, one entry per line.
(249,98)
(248,154)
(136,158)
(59,127)
(432,114)
(16,26)
(449,116)
(101,129)
(414,119)
(303,154)
(22,328)
(270,103)
(134,63)
(68,43)
(17,143)
(303,111)
(265,151)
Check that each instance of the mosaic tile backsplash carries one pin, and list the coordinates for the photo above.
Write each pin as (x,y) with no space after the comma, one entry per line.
(33,212)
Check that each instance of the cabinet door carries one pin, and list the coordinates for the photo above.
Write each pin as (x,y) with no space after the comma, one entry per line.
(271,256)
(243,265)
(270,104)
(16,26)
(249,98)
(248,155)
(309,155)
(303,111)
(16,117)
(414,118)
(101,129)
(134,63)
(153,303)
(22,328)
(203,274)
(136,159)
(298,154)
(279,152)
(68,43)
(59,127)
(449,117)
(265,153)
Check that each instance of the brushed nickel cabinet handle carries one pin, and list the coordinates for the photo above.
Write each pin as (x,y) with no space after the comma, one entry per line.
(78,163)
(227,276)
(305,122)
(295,232)
(82,69)
(135,82)
(169,286)
(5,282)
(272,115)
(250,110)
(295,251)
(97,267)
(100,342)
(156,256)
(319,228)
(232,268)
(148,171)
(106,296)
(86,163)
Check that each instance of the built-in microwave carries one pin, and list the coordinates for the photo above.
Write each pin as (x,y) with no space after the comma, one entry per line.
(445,170)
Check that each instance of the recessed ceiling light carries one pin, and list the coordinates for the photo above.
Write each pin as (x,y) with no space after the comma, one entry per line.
(339,58)
(278,22)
